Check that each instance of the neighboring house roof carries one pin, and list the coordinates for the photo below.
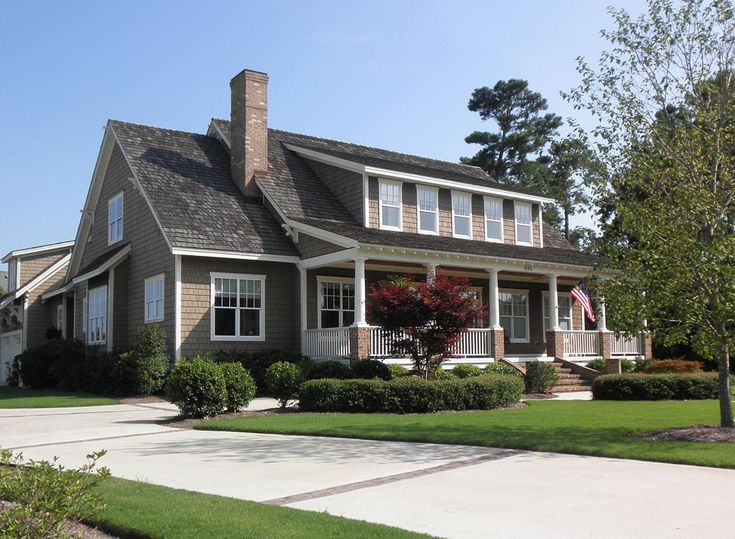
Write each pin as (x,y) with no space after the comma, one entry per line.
(35,281)
(411,240)
(186,177)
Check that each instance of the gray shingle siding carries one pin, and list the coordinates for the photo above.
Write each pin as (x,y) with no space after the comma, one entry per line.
(310,247)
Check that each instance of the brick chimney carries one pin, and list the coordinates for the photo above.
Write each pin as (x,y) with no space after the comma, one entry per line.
(248,129)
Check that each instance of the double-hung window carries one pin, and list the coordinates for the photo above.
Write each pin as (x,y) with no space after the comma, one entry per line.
(97,313)
(427,201)
(462,215)
(493,219)
(390,205)
(514,314)
(115,219)
(336,302)
(565,312)
(154,298)
(238,310)
(523,223)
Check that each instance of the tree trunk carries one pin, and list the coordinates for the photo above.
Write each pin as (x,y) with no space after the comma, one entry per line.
(724,390)
(566,225)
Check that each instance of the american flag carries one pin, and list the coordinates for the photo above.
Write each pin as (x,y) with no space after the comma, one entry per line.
(582,295)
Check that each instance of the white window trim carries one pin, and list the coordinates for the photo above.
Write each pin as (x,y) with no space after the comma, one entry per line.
(246,276)
(486,201)
(121,196)
(517,204)
(382,182)
(528,312)
(435,190)
(327,279)
(545,294)
(162,277)
(454,233)
(107,308)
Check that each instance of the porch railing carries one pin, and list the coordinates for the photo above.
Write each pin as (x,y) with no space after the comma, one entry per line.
(581,343)
(327,342)
(626,346)
(475,342)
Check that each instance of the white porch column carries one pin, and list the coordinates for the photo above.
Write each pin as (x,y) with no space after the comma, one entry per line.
(430,273)
(360,292)
(302,308)
(553,303)
(602,322)
(494,299)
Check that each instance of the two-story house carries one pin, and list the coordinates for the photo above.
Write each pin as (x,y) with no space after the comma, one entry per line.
(248,238)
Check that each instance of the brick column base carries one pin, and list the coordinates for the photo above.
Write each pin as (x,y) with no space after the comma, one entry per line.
(497,344)
(613,365)
(359,343)
(647,345)
(555,344)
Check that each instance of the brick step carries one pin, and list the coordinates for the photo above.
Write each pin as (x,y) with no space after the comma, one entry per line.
(570,382)
(569,389)
(563,375)
(565,370)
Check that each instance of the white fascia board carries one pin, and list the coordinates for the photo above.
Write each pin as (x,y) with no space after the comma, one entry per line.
(389,252)
(261,257)
(111,263)
(36,250)
(321,234)
(417,178)
(329,258)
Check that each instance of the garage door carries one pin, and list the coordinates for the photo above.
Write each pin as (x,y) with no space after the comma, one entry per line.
(11,344)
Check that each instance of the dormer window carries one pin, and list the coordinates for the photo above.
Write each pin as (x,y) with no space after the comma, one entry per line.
(390,205)
(493,219)
(523,223)
(462,215)
(427,201)
(115,219)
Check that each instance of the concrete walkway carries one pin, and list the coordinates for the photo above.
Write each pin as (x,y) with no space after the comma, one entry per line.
(449,491)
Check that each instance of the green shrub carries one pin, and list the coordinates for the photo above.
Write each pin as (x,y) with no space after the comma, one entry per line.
(397,371)
(197,387)
(239,385)
(256,363)
(410,395)
(370,368)
(47,497)
(142,370)
(499,367)
(655,386)
(466,371)
(56,363)
(666,366)
(330,369)
(540,377)
(283,380)
(627,365)
(597,364)
(641,363)
(440,374)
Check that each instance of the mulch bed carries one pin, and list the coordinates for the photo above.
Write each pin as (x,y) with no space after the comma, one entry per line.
(179,423)
(73,530)
(700,433)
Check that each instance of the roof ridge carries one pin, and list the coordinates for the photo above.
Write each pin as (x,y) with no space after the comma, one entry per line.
(147,126)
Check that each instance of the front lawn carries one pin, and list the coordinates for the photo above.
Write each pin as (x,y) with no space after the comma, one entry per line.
(600,428)
(12,397)
(137,509)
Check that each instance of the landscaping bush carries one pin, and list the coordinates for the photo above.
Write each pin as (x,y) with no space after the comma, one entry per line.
(256,363)
(440,374)
(197,387)
(49,500)
(540,377)
(499,367)
(666,366)
(410,395)
(655,386)
(239,385)
(397,371)
(56,363)
(370,368)
(283,380)
(101,372)
(627,366)
(330,369)
(466,371)
(597,364)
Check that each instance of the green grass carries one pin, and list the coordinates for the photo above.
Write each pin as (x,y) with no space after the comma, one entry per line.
(12,397)
(142,510)
(600,428)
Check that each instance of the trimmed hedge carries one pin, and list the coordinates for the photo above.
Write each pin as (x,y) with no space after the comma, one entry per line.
(655,387)
(410,395)
(256,363)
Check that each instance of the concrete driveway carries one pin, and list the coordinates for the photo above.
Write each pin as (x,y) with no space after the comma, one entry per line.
(449,491)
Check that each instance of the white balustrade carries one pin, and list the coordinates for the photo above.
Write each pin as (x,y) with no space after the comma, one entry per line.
(626,346)
(327,342)
(581,343)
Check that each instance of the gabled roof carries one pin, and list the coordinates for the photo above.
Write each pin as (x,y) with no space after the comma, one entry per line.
(186,178)
(36,281)
(49,248)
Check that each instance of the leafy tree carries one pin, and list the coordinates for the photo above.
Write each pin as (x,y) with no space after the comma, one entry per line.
(429,318)
(664,97)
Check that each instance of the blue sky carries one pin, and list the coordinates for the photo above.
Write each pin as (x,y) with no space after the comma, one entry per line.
(394,74)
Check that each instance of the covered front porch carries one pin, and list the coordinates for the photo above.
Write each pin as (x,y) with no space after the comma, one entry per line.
(529,313)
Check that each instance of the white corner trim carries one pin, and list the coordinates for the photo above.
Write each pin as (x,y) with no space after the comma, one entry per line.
(540,225)
(110,307)
(261,257)
(365,200)
(177,307)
